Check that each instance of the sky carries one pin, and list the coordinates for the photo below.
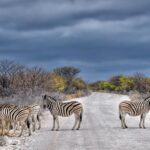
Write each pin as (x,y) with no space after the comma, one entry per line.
(101,37)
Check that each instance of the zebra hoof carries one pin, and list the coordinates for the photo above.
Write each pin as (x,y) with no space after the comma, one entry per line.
(52,129)
(57,129)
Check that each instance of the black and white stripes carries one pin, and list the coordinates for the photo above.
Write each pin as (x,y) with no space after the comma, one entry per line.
(134,108)
(19,116)
(63,109)
(14,115)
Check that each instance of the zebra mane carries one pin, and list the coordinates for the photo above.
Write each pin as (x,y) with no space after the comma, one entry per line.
(146,98)
(51,98)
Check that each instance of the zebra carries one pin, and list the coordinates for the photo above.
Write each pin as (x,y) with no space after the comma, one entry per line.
(134,108)
(63,109)
(6,105)
(35,114)
(16,114)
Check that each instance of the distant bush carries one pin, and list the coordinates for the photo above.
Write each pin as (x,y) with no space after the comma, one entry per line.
(120,83)
(105,85)
(57,82)
(69,75)
(79,84)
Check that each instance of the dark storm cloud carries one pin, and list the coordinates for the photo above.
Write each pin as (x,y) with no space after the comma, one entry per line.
(100,37)
(37,14)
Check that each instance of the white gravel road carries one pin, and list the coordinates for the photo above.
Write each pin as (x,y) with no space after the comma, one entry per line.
(100,129)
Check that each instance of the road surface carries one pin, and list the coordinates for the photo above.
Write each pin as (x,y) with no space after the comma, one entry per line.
(100,129)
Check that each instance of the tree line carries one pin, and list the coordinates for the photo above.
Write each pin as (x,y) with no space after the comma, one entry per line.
(16,78)
(123,84)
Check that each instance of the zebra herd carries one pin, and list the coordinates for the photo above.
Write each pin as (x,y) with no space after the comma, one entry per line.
(19,116)
(134,108)
(13,116)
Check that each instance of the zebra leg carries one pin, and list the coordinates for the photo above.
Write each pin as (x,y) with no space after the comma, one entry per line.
(122,125)
(54,118)
(79,123)
(15,125)
(76,120)
(3,127)
(57,121)
(28,123)
(7,126)
(22,128)
(123,122)
(141,120)
(39,120)
(144,116)
(121,117)
(33,123)
(80,119)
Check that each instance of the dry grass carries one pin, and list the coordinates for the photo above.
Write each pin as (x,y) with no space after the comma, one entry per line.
(135,96)
(76,95)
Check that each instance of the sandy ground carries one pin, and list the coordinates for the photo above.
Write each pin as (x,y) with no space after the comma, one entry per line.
(100,129)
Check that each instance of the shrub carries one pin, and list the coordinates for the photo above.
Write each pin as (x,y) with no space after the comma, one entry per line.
(79,84)
(57,82)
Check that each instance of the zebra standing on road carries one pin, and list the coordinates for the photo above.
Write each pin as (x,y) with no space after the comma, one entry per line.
(15,115)
(63,109)
(134,108)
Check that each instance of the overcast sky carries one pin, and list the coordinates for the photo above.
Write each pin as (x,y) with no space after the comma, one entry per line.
(101,37)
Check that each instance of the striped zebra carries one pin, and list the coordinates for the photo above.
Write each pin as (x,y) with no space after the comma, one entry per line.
(6,105)
(134,108)
(63,109)
(15,115)
(35,114)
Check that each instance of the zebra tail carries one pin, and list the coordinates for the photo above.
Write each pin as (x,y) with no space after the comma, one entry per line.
(81,114)
(28,123)
(120,117)
(38,117)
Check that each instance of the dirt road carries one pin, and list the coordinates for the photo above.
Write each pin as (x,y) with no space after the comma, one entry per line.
(100,129)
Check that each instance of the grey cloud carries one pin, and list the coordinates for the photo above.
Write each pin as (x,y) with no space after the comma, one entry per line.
(34,15)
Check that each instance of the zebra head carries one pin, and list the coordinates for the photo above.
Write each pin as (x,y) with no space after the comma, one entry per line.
(48,100)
